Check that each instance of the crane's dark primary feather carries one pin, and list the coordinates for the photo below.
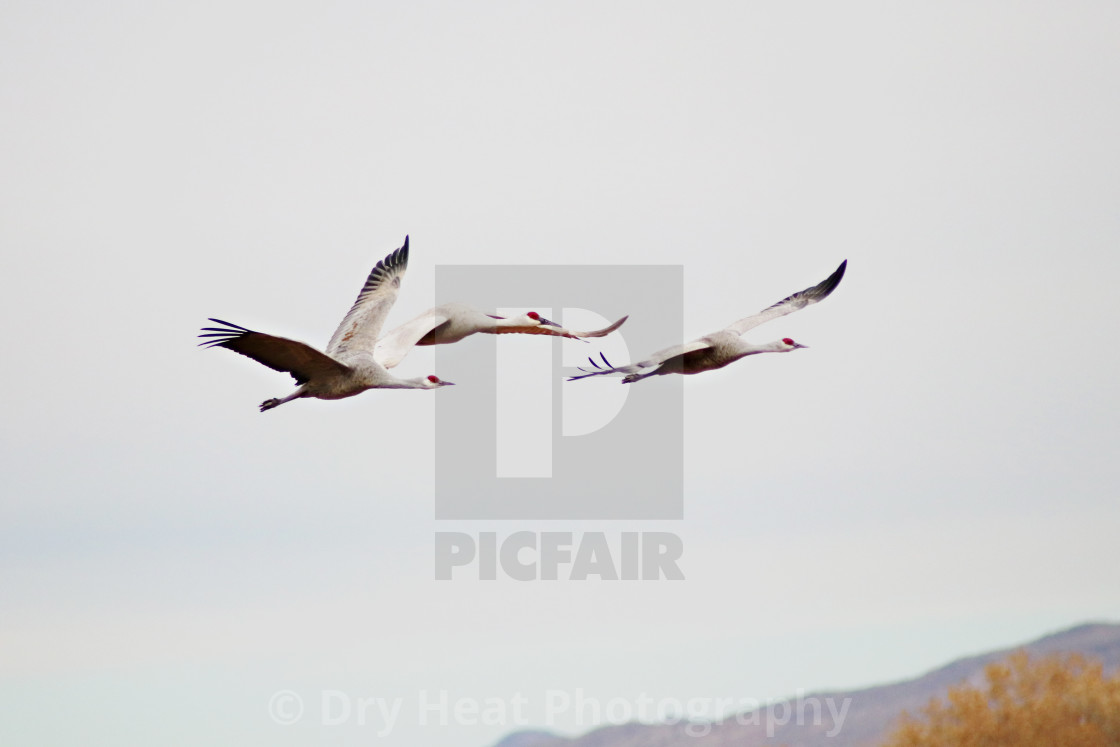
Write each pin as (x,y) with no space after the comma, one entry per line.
(223,334)
(818,292)
(300,360)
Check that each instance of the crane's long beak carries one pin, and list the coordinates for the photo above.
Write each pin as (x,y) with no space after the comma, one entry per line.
(548,323)
(799,345)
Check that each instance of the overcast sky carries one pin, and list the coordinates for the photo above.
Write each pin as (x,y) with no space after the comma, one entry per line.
(935,476)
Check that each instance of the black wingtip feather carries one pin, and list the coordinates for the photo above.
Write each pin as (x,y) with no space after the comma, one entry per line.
(222,335)
(229,324)
(832,281)
(397,259)
(400,256)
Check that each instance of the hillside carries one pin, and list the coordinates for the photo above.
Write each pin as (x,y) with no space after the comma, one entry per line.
(870,714)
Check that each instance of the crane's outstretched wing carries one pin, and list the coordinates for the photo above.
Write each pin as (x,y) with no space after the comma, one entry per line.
(425,330)
(393,347)
(302,361)
(604,331)
(362,324)
(792,303)
(642,368)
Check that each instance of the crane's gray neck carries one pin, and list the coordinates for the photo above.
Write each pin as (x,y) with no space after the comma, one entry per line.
(747,348)
(420,382)
(501,322)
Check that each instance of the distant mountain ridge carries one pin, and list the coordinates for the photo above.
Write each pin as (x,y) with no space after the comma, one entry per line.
(871,712)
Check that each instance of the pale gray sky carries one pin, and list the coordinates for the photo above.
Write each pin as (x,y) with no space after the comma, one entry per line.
(935,476)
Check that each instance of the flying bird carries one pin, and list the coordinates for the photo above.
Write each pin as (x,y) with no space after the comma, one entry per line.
(720,348)
(348,366)
(454,321)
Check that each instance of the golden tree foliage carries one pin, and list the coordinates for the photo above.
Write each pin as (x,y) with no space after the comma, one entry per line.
(1046,702)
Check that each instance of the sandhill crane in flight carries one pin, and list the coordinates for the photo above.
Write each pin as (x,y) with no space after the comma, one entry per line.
(454,321)
(719,348)
(348,366)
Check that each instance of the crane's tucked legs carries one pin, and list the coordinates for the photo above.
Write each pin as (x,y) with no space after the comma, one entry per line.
(268,404)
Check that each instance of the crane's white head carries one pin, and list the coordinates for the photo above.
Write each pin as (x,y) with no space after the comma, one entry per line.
(435,382)
(789,344)
(535,319)
(538,319)
(528,323)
